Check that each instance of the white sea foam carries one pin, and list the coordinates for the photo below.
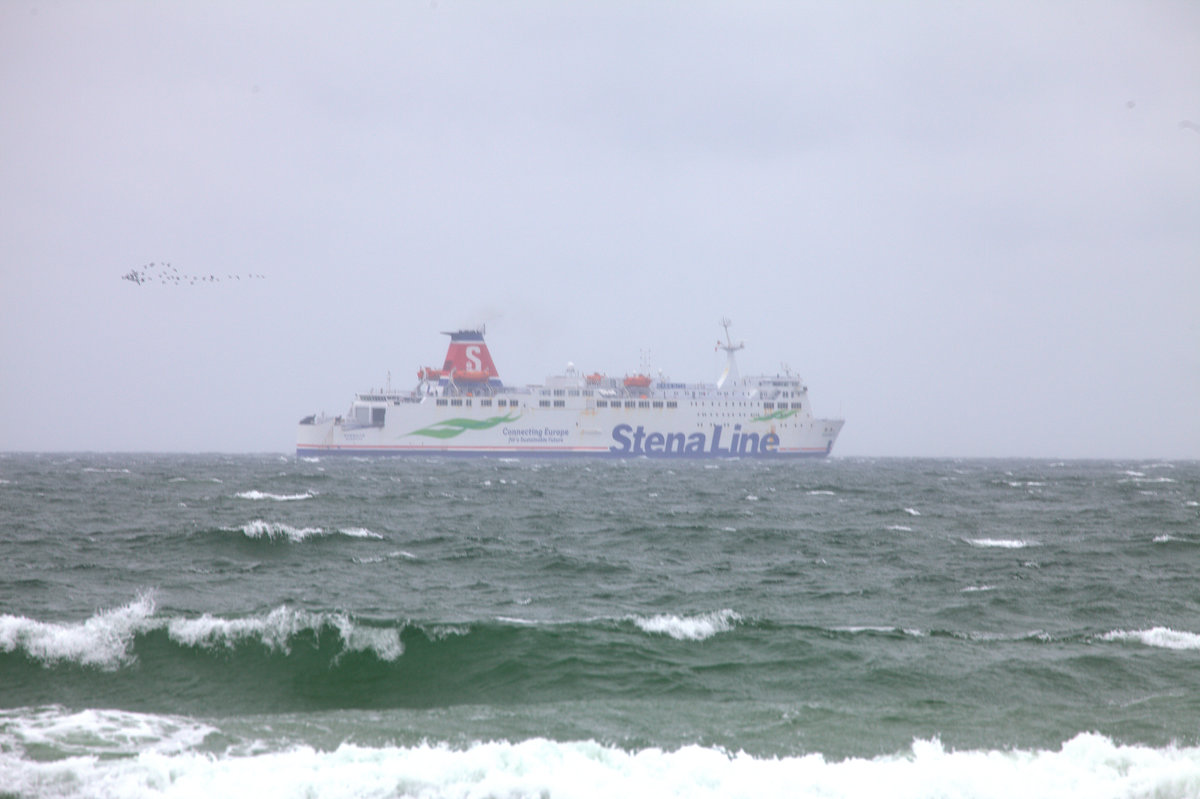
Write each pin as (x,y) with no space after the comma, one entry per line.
(1000,543)
(276,497)
(900,528)
(1087,765)
(970,589)
(1162,637)
(103,732)
(689,628)
(821,493)
(102,641)
(912,511)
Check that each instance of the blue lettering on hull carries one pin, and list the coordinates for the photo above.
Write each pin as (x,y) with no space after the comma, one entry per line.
(636,441)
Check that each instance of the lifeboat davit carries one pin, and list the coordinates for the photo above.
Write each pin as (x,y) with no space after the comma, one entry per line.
(637,381)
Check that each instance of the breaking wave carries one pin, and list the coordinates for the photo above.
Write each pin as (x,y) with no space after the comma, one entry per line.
(688,628)
(1086,765)
(278,531)
(276,497)
(1161,637)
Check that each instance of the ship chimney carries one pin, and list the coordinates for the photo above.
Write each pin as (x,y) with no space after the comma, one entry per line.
(468,359)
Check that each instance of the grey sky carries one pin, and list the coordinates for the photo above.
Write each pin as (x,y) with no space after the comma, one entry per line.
(974,228)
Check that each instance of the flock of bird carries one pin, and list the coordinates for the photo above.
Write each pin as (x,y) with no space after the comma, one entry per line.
(166,274)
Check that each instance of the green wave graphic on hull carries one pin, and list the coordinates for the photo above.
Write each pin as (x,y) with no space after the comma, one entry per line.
(780,414)
(449,428)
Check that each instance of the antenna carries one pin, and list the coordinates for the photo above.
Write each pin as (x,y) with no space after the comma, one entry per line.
(730,375)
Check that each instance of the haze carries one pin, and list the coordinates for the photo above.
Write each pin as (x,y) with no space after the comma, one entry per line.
(974,228)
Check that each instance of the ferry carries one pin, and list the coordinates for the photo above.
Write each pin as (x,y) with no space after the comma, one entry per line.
(464,408)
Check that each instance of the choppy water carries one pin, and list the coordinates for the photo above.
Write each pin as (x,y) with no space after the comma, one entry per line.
(267,626)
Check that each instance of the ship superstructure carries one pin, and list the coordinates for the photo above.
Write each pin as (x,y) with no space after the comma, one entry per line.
(464,408)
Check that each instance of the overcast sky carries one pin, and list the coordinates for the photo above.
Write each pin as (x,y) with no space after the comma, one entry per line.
(973,228)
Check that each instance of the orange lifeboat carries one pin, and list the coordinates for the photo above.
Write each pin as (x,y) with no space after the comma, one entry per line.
(594,378)
(637,381)
(429,373)
(470,376)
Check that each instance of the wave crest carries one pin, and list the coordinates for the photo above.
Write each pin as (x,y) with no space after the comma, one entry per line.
(103,641)
(689,628)
(1161,637)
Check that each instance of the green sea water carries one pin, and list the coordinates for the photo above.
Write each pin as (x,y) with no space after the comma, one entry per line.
(171,625)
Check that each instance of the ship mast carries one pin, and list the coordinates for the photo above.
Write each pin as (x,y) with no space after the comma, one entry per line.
(730,375)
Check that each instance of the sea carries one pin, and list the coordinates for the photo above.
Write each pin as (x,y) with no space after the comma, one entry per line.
(269,626)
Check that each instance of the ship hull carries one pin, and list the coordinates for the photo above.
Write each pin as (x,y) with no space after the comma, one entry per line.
(416,430)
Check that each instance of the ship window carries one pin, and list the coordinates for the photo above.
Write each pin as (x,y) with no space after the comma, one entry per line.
(587,392)
(456,402)
(672,404)
(543,403)
(558,392)
(468,403)
(643,404)
(658,403)
(768,406)
(796,405)
(601,403)
(573,393)
(560,403)
(630,403)
(441,402)
(545,392)
(485,403)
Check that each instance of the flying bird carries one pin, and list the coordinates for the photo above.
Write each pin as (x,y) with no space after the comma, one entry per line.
(166,274)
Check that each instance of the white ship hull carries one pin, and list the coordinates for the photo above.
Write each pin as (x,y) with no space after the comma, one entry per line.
(574,415)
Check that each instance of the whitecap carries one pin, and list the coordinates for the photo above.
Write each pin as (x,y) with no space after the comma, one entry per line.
(274,530)
(822,493)
(277,628)
(900,528)
(359,532)
(1000,543)
(912,511)
(253,494)
(1161,637)
(688,628)
(103,641)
